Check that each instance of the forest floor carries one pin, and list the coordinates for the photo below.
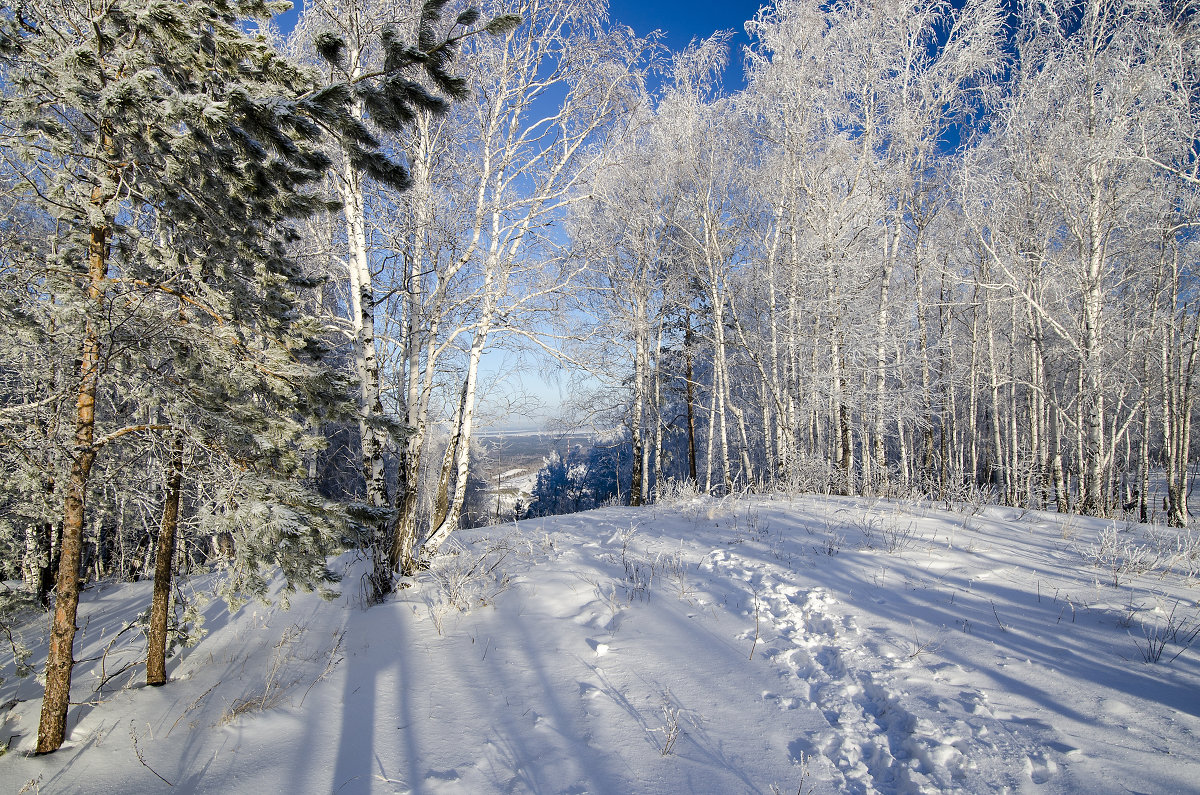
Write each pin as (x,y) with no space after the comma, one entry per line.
(807,644)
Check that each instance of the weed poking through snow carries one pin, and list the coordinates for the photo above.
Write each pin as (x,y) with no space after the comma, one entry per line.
(1180,631)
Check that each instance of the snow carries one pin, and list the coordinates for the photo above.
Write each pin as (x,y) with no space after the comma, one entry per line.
(745,645)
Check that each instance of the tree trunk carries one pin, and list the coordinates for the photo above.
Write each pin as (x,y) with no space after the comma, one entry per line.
(156,655)
(1038,413)
(1091,396)
(721,389)
(690,398)
(842,437)
(418,380)
(658,419)
(441,500)
(39,558)
(769,450)
(973,393)
(712,435)
(878,457)
(1144,460)
(1062,496)
(466,413)
(925,456)
(1181,400)
(362,311)
(52,726)
(640,365)
(996,468)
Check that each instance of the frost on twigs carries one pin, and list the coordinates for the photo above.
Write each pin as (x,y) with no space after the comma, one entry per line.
(672,725)
(466,575)
(1119,555)
(15,605)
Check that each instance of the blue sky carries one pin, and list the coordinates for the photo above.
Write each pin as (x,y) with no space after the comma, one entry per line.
(681,21)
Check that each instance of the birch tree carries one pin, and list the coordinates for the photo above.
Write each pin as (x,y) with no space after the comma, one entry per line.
(1088,82)
(365,48)
(528,165)
(622,233)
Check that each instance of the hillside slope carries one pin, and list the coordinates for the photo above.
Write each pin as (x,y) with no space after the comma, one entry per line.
(811,644)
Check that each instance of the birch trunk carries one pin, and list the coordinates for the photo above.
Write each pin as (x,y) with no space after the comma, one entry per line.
(878,458)
(1144,461)
(1181,401)
(925,458)
(712,438)
(466,410)
(1037,410)
(721,387)
(843,436)
(658,420)
(1092,399)
(362,320)
(637,486)
(996,463)
(420,331)
(690,398)
(973,391)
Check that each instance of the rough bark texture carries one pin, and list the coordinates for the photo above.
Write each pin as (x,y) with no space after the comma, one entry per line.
(362,308)
(52,725)
(156,655)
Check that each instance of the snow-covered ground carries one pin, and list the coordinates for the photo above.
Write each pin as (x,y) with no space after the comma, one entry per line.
(766,645)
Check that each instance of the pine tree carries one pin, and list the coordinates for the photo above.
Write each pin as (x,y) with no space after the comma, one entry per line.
(170,148)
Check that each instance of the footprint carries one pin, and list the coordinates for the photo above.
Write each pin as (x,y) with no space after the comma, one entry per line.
(1040,768)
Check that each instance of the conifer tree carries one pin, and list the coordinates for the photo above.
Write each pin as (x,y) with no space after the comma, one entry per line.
(170,147)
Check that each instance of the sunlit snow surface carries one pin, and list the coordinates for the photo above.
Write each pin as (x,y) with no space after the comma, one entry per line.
(746,645)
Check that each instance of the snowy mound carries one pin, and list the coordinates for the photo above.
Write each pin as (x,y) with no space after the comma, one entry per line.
(812,644)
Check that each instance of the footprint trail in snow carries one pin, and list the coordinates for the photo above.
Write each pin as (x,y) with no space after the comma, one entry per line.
(881,736)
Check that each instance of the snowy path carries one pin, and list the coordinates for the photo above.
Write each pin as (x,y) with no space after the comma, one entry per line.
(879,737)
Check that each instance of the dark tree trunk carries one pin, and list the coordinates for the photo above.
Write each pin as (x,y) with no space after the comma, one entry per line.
(635,478)
(48,553)
(156,655)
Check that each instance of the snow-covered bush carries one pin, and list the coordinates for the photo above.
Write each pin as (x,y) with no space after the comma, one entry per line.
(676,492)
(1121,555)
